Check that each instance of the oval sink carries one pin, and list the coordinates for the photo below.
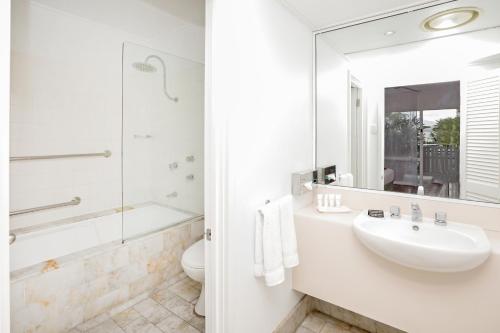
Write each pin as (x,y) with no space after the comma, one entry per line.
(423,245)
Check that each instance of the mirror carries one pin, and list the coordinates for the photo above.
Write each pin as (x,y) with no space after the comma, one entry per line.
(410,103)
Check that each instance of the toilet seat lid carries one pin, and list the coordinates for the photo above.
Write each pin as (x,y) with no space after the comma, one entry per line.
(194,256)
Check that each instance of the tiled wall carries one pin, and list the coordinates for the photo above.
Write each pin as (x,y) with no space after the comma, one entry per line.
(65,292)
(67,98)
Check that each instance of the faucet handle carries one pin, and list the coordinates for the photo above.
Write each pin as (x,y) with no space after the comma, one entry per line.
(395,211)
(414,206)
(440,218)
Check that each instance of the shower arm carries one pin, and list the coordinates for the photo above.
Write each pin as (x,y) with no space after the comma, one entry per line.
(152,56)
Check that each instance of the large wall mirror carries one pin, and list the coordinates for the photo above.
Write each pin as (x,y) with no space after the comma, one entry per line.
(410,103)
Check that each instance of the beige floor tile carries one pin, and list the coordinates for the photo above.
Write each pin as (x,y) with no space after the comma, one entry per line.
(124,318)
(109,326)
(331,328)
(173,324)
(314,323)
(151,310)
(89,324)
(142,325)
(180,307)
(162,295)
(186,289)
(303,329)
(198,323)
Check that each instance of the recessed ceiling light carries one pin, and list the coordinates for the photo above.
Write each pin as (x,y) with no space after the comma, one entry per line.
(450,19)
(389,33)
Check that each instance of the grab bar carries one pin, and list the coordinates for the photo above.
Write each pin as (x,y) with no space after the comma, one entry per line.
(106,154)
(74,202)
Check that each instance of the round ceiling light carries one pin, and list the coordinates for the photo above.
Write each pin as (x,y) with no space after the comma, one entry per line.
(450,19)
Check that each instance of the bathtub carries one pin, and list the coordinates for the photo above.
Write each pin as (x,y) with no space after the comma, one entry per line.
(37,245)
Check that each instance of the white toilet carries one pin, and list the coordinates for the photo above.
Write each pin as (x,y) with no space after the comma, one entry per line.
(193,263)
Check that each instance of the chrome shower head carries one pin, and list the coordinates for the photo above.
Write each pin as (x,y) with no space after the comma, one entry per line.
(144,67)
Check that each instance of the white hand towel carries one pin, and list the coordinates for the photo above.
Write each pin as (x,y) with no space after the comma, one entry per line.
(288,237)
(272,252)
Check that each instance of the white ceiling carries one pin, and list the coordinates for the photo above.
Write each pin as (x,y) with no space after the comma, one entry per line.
(370,35)
(323,13)
(192,11)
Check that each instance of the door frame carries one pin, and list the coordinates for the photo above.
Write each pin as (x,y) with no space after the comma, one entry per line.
(5,26)
(359,142)
(215,183)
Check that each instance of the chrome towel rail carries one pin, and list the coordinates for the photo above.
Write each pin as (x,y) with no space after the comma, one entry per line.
(106,154)
(74,202)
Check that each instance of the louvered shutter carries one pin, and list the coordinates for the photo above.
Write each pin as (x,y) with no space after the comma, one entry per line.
(480,139)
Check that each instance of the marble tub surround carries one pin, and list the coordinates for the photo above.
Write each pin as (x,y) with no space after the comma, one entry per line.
(80,288)
(168,309)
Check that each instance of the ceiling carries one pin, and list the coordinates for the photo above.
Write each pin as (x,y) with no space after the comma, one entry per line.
(323,13)
(192,11)
(407,29)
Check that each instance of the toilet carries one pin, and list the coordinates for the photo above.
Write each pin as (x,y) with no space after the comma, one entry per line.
(193,263)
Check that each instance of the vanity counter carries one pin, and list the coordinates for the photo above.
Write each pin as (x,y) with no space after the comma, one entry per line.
(337,268)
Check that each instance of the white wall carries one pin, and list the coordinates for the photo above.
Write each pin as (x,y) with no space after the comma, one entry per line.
(66,96)
(261,97)
(4,163)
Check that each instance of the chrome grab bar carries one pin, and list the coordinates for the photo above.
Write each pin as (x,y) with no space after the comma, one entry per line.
(74,202)
(106,154)
(12,238)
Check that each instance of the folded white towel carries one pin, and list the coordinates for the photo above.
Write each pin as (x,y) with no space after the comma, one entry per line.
(288,237)
(268,248)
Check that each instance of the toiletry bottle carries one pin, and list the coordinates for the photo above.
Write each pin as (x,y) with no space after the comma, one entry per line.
(320,203)
(338,200)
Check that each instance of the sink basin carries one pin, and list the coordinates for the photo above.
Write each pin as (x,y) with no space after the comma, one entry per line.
(455,247)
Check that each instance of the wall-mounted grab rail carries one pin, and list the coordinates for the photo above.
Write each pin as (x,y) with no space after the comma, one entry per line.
(106,154)
(74,202)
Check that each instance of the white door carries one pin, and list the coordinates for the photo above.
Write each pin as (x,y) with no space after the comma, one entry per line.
(4,163)
(480,138)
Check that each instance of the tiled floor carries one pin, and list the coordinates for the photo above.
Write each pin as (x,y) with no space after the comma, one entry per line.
(317,322)
(169,309)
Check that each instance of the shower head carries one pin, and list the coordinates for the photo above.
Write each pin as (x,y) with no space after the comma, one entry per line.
(144,67)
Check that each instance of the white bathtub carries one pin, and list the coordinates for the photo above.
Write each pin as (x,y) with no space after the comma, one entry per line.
(34,247)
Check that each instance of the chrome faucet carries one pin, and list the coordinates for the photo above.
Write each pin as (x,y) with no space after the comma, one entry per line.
(416,213)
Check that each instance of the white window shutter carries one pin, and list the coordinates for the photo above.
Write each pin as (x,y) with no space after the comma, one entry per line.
(480,138)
